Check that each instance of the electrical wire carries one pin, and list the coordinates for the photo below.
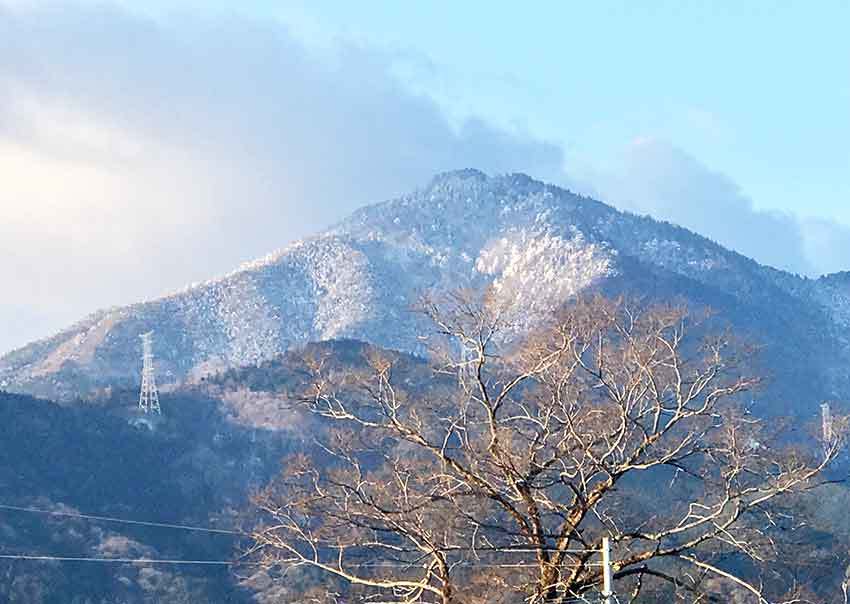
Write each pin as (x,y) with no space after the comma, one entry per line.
(203,529)
(183,527)
(46,558)
(188,527)
(49,558)
(519,549)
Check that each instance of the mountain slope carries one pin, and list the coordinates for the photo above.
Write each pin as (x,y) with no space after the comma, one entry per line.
(87,460)
(194,466)
(537,244)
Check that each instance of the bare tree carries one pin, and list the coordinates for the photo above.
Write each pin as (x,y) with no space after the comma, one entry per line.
(495,477)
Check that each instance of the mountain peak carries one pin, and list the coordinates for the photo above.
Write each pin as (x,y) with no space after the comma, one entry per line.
(455,176)
(467,177)
(536,244)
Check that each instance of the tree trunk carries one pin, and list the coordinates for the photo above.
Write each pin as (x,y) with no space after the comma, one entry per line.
(549,585)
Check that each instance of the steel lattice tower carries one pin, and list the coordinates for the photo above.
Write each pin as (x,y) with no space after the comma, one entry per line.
(148,395)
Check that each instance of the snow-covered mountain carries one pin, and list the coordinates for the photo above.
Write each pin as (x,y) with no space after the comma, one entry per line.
(537,244)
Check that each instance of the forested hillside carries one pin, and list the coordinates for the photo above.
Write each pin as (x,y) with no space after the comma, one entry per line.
(537,245)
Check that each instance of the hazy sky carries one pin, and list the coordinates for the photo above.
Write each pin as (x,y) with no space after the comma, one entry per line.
(147,145)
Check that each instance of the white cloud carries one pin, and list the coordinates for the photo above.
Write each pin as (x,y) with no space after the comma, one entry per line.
(656,178)
(137,156)
(827,244)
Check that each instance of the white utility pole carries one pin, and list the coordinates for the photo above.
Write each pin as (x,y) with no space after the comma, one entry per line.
(148,395)
(826,417)
(827,430)
(607,587)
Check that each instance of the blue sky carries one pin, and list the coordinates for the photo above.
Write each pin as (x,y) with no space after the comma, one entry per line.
(757,90)
(221,131)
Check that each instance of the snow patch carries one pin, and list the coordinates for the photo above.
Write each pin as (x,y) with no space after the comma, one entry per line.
(535,272)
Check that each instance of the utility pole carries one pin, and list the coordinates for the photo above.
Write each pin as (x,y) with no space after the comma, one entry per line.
(148,395)
(607,587)
(826,421)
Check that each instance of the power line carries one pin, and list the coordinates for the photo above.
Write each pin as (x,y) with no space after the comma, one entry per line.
(521,548)
(45,558)
(182,527)
(186,527)
(508,549)
(49,558)
(512,549)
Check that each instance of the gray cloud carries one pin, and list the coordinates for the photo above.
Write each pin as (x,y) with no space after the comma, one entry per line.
(827,244)
(142,155)
(656,178)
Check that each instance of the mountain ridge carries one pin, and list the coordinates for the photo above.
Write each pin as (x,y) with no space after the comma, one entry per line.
(536,243)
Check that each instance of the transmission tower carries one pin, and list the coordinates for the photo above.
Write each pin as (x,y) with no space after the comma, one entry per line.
(148,395)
